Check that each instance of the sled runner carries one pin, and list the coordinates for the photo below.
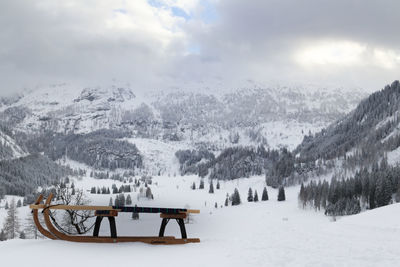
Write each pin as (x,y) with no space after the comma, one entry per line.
(111,212)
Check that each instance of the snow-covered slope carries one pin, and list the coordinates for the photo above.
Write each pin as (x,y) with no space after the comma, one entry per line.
(366,133)
(9,148)
(267,233)
(275,113)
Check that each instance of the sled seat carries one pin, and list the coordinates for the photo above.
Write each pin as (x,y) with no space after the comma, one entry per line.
(106,213)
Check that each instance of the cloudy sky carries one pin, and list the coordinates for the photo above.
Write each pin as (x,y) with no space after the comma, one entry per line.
(187,43)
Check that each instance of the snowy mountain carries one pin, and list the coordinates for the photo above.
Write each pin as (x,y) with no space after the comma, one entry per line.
(364,135)
(113,127)
(277,116)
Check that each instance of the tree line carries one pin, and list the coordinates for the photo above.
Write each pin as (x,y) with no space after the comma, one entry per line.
(367,189)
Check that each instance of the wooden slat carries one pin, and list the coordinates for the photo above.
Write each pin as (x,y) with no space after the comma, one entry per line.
(111,213)
(87,207)
(193,211)
(173,216)
(71,207)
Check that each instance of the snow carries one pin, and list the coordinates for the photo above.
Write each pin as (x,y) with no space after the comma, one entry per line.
(17,151)
(393,156)
(267,233)
(159,155)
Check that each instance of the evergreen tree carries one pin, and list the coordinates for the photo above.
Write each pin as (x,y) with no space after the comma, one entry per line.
(111,202)
(226,202)
(114,189)
(93,190)
(135,215)
(255,196)
(3,236)
(201,186)
(73,191)
(264,196)
(108,191)
(7,206)
(149,194)
(250,195)
(128,200)
(11,224)
(121,200)
(22,235)
(19,204)
(383,191)
(193,186)
(211,191)
(302,195)
(281,194)
(216,205)
(236,198)
(218,185)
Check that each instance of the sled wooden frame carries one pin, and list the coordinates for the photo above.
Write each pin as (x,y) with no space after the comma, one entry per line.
(111,212)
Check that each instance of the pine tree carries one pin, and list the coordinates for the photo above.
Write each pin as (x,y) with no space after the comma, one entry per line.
(250,195)
(211,191)
(3,236)
(201,186)
(19,204)
(121,200)
(216,205)
(149,195)
(193,186)
(115,190)
(281,194)
(128,200)
(73,191)
(383,193)
(236,198)
(264,196)
(135,215)
(218,185)
(22,235)
(226,202)
(255,196)
(7,206)
(11,224)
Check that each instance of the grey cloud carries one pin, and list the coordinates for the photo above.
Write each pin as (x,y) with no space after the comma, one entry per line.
(250,40)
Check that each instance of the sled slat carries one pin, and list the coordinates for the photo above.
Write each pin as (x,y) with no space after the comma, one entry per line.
(71,207)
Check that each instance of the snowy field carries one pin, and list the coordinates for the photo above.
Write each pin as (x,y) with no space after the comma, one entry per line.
(267,233)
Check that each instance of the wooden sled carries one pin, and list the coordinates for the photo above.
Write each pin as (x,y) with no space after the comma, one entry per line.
(111,212)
